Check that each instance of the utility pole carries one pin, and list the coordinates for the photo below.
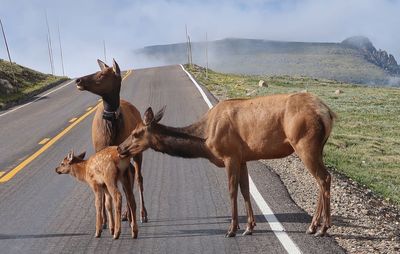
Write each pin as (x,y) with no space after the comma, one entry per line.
(206,56)
(105,52)
(187,45)
(61,52)
(49,44)
(190,52)
(5,40)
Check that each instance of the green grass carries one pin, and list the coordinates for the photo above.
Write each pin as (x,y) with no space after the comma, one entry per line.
(365,142)
(26,81)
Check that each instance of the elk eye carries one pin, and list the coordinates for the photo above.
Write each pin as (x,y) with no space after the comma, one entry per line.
(137,134)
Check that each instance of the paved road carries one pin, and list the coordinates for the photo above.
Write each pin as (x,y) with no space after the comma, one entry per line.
(187,200)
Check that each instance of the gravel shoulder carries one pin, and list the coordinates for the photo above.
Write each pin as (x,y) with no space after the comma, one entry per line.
(361,221)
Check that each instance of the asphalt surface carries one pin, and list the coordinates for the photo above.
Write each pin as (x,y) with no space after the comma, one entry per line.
(186,199)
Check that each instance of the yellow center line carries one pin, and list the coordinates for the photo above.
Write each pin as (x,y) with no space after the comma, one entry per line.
(89,108)
(44,141)
(6,177)
(72,120)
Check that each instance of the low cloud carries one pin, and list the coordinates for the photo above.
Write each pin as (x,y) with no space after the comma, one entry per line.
(128,25)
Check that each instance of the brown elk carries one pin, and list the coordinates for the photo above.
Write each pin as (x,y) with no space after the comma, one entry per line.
(241,130)
(102,171)
(114,119)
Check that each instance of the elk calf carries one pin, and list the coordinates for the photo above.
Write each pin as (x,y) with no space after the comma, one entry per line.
(102,171)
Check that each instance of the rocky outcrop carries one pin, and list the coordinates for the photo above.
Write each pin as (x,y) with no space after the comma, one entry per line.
(6,87)
(378,57)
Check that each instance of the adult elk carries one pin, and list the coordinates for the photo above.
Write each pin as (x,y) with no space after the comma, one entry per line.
(102,171)
(114,119)
(241,130)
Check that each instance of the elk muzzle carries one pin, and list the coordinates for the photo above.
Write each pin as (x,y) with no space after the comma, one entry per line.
(58,171)
(123,151)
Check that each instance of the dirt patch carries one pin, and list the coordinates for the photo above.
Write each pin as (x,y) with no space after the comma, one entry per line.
(361,221)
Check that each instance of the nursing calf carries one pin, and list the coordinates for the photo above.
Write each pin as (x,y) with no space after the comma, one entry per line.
(102,171)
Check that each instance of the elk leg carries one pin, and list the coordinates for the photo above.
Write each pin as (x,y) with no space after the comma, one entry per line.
(326,188)
(98,200)
(131,204)
(108,206)
(311,155)
(131,174)
(245,190)
(232,168)
(112,187)
(317,215)
(104,212)
(137,161)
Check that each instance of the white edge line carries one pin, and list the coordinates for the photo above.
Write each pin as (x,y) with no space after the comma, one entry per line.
(26,104)
(269,215)
(210,105)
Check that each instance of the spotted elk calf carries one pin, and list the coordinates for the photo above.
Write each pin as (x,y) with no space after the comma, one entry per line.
(102,171)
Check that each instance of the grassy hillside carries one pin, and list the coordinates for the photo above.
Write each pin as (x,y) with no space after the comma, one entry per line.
(365,142)
(338,61)
(18,82)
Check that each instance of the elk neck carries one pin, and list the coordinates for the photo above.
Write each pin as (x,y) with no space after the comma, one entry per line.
(78,171)
(111,102)
(179,142)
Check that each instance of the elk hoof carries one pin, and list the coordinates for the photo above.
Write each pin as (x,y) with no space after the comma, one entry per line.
(97,234)
(311,230)
(104,225)
(230,234)
(124,217)
(144,219)
(111,231)
(321,232)
(248,231)
(116,236)
(135,234)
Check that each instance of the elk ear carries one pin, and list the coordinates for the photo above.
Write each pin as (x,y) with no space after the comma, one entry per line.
(82,155)
(102,64)
(116,69)
(159,114)
(70,156)
(148,116)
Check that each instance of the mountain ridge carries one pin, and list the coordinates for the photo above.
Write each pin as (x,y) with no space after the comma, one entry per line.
(354,60)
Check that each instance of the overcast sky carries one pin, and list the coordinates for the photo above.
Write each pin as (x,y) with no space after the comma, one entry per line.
(126,25)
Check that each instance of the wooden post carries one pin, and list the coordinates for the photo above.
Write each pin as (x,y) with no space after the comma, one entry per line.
(49,45)
(5,40)
(105,52)
(61,53)
(187,45)
(190,52)
(206,56)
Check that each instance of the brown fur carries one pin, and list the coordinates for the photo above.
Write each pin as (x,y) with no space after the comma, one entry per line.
(105,132)
(241,130)
(101,172)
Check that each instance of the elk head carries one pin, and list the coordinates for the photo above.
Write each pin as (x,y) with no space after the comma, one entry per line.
(141,137)
(104,82)
(68,162)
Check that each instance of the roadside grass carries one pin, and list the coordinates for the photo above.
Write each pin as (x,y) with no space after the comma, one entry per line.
(26,82)
(365,141)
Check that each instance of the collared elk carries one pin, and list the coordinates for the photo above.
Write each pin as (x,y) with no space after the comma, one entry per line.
(115,119)
(241,130)
(101,172)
